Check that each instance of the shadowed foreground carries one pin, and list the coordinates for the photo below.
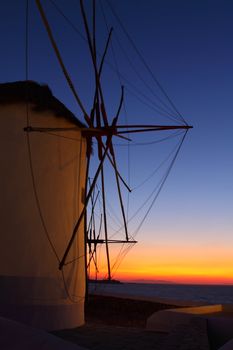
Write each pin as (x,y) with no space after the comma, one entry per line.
(105,337)
(115,323)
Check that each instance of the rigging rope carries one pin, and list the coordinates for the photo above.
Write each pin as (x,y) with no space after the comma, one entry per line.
(121,257)
(123,252)
(158,185)
(149,88)
(77,31)
(156,169)
(64,137)
(124,107)
(116,219)
(144,61)
(169,110)
(135,144)
(59,58)
(150,104)
(161,186)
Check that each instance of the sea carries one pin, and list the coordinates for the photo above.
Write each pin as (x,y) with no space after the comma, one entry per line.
(206,294)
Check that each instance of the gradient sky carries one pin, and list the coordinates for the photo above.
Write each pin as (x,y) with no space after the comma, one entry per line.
(188,45)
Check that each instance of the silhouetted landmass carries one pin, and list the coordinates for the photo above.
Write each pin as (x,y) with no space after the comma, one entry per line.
(141,280)
(105,281)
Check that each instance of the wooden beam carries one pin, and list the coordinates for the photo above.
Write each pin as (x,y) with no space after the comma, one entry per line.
(75,230)
(58,55)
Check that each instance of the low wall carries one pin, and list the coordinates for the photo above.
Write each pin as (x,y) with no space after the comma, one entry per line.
(166,320)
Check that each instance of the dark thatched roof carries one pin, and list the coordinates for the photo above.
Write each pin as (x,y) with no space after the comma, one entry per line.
(40,96)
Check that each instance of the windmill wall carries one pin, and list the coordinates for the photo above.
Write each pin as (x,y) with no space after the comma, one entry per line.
(42,193)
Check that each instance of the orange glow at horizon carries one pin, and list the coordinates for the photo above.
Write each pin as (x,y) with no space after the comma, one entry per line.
(176,264)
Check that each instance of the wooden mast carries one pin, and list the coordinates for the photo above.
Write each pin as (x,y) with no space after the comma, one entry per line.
(92,48)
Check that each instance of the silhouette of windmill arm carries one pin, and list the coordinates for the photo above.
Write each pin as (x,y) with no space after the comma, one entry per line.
(117,173)
(97,109)
(58,55)
(132,129)
(147,128)
(76,227)
(91,121)
(104,116)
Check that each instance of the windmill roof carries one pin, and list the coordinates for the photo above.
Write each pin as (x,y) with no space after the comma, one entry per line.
(40,96)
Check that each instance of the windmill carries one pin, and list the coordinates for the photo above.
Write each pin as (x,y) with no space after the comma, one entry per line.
(103,130)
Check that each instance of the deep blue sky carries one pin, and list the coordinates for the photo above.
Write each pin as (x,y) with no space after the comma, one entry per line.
(188,45)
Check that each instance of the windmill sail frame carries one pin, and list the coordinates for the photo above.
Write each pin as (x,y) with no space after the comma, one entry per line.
(103,129)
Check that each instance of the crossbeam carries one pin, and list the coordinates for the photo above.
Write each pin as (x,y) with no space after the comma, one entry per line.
(105,130)
(103,241)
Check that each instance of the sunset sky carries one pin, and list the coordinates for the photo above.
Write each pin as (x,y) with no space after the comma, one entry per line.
(187,237)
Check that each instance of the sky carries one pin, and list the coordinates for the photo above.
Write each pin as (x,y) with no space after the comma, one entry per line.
(187,236)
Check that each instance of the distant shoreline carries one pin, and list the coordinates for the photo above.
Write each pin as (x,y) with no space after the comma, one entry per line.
(159,282)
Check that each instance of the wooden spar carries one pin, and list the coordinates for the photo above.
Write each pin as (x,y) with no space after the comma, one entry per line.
(120,196)
(118,187)
(96,102)
(153,126)
(92,257)
(91,124)
(104,131)
(54,45)
(92,227)
(98,121)
(93,56)
(99,73)
(75,230)
(92,48)
(119,192)
(100,69)
(124,138)
(102,241)
(90,121)
(119,175)
(136,128)
(96,107)
(93,29)
(89,232)
(105,51)
(93,203)
(85,223)
(105,225)
(103,195)
(162,128)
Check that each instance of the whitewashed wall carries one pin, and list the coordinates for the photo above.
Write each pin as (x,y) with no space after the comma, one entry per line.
(32,288)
